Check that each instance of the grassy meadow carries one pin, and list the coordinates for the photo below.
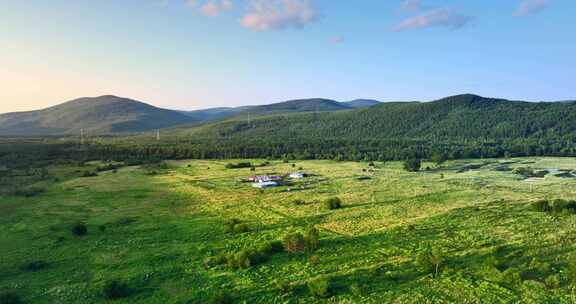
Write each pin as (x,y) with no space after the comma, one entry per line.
(155,229)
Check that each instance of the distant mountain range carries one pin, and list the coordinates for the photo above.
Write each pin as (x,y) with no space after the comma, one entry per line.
(461,116)
(111,114)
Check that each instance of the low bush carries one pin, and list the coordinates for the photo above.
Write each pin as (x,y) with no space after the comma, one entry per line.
(570,270)
(236,226)
(245,258)
(214,261)
(10,297)
(430,261)
(89,174)
(34,266)
(268,248)
(282,286)
(79,229)
(238,165)
(116,289)
(553,281)
(294,242)
(312,239)
(412,165)
(299,202)
(541,206)
(319,287)
(241,228)
(28,192)
(356,289)
(558,206)
(314,260)
(221,297)
(333,203)
(510,278)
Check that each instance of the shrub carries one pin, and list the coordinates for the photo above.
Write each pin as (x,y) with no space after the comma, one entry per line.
(89,174)
(282,286)
(28,192)
(319,287)
(10,297)
(563,206)
(510,277)
(314,259)
(356,289)
(268,248)
(243,259)
(541,206)
(557,206)
(236,226)
(221,297)
(294,242)
(553,281)
(412,165)
(312,239)
(116,289)
(333,203)
(241,228)
(238,165)
(299,202)
(79,229)
(429,261)
(571,269)
(34,266)
(214,261)
(524,171)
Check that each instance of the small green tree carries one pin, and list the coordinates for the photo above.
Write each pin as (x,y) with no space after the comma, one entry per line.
(429,260)
(312,239)
(412,165)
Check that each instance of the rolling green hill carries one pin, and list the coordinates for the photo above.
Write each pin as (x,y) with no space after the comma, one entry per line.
(104,114)
(456,117)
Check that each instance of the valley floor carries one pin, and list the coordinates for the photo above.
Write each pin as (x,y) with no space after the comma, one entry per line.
(154,229)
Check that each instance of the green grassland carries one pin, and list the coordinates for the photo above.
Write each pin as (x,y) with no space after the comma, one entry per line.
(154,229)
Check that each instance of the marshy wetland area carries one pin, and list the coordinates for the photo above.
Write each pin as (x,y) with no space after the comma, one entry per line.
(466,231)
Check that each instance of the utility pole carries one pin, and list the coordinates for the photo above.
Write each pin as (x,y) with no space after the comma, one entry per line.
(158,134)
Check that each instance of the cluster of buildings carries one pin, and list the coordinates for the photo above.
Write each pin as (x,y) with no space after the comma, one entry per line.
(271,181)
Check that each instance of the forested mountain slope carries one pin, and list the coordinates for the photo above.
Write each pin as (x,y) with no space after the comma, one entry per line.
(454,118)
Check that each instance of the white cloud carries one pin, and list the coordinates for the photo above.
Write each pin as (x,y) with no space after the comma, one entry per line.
(211,8)
(337,40)
(440,17)
(411,5)
(529,7)
(192,3)
(266,15)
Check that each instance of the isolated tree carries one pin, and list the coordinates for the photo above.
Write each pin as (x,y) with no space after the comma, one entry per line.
(412,165)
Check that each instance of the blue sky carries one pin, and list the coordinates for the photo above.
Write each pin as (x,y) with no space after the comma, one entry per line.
(188,54)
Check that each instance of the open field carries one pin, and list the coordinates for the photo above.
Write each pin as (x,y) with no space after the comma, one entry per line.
(154,229)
